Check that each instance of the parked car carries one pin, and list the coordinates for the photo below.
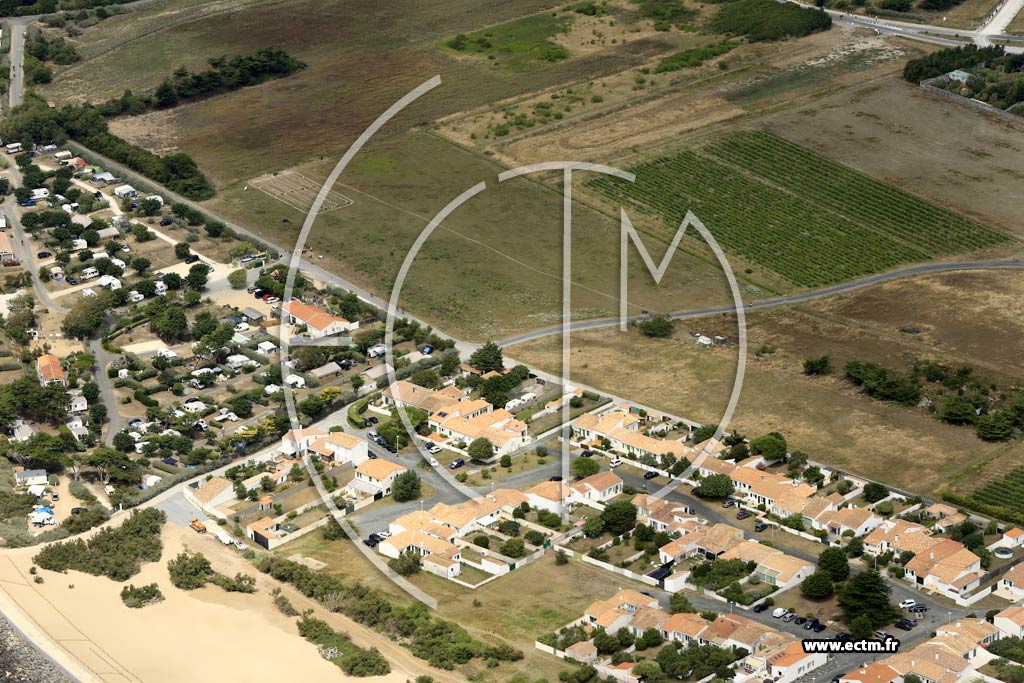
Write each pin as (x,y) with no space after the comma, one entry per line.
(71,280)
(800,620)
(743,514)
(788,617)
(780,612)
(372,420)
(12,262)
(728,503)
(79,511)
(650,474)
(760,526)
(819,627)
(251,288)
(44,254)
(456,464)
(811,623)
(586,454)
(842,635)
(882,635)
(904,625)
(615,462)
(555,478)
(55,496)
(375,537)
(370,543)
(272,299)
(918,608)
(760,607)
(165,221)
(908,603)
(433,462)
(259,293)
(191,258)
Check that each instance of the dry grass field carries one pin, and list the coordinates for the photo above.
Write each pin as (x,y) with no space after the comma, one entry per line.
(967,318)
(517,607)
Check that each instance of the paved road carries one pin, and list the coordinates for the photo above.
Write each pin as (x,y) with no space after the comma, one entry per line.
(997,24)
(780,301)
(116,421)
(993,29)
(21,241)
(17,82)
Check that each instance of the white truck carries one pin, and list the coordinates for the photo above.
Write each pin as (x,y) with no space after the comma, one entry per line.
(224,537)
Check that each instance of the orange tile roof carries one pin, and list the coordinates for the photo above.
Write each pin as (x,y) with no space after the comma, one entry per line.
(876,672)
(310,315)
(379,468)
(49,367)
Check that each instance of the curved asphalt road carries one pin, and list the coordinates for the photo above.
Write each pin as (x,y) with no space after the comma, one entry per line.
(780,301)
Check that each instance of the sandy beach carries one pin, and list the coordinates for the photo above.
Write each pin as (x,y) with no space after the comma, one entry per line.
(206,635)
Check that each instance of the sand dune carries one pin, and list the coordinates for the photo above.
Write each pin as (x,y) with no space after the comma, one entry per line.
(201,636)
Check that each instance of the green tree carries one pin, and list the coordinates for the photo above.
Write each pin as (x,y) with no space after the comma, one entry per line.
(585,467)
(513,547)
(197,276)
(771,446)
(506,460)
(867,594)
(141,264)
(958,410)
(488,357)
(165,95)
(817,585)
(593,527)
(481,449)
(658,326)
(875,492)
(862,627)
(237,279)
(124,442)
(822,365)
(619,517)
(407,486)
(835,564)
(182,250)
(647,670)
(679,603)
(189,571)
(714,486)
(406,564)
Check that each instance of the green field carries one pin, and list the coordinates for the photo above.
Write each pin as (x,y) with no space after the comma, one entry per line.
(812,221)
(517,43)
(1007,493)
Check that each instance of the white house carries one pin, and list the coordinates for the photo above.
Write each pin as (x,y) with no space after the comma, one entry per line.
(30,478)
(374,478)
(266,347)
(319,323)
(340,448)
(1010,622)
(78,404)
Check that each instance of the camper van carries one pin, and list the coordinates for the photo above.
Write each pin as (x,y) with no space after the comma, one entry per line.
(376,351)
(89,273)
(14,148)
(63,156)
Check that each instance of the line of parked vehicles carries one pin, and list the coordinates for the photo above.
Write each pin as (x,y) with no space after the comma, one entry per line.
(815,625)
(373,540)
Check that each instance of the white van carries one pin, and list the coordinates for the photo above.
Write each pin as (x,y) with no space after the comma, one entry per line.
(89,273)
